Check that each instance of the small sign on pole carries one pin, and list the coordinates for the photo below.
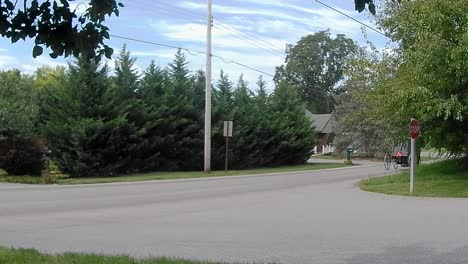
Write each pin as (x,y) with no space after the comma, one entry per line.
(414,131)
(228,127)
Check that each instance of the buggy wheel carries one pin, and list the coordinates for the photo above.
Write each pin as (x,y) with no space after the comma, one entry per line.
(387,161)
(395,164)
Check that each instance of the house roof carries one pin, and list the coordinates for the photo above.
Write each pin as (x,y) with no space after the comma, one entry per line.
(323,123)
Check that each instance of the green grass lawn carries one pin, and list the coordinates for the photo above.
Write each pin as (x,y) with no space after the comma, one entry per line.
(327,157)
(424,158)
(447,178)
(30,256)
(168,175)
(338,158)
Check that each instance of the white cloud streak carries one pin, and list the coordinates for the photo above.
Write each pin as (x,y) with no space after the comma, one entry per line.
(310,19)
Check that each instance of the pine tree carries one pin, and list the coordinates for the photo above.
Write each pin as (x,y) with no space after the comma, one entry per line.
(222,98)
(198,85)
(224,89)
(178,68)
(150,154)
(222,110)
(179,74)
(244,144)
(262,86)
(295,136)
(242,92)
(174,135)
(154,84)
(96,125)
(82,130)
(126,86)
(187,149)
(126,76)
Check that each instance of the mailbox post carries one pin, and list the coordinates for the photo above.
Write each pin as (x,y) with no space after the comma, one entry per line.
(349,150)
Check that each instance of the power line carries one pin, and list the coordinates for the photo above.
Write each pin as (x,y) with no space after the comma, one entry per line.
(164,11)
(245,37)
(202,19)
(350,17)
(243,65)
(169,8)
(252,37)
(256,44)
(157,44)
(194,51)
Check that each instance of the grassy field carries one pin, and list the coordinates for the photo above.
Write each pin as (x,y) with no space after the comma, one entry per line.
(168,175)
(30,256)
(327,157)
(447,178)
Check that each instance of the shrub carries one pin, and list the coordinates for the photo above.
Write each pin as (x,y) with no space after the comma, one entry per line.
(22,156)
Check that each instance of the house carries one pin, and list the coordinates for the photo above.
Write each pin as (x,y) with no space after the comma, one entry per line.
(323,124)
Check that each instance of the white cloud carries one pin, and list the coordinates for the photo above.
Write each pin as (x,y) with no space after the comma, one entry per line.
(27,64)
(49,62)
(288,31)
(166,54)
(222,37)
(310,18)
(232,10)
(6,61)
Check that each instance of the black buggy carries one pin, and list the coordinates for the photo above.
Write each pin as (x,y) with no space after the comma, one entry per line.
(400,155)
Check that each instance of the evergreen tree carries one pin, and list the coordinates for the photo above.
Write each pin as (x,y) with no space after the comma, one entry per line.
(224,89)
(127,103)
(82,130)
(295,136)
(174,135)
(178,68)
(187,149)
(245,149)
(198,85)
(126,76)
(242,94)
(262,86)
(154,84)
(126,86)
(222,110)
(223,95)
(150,154)
(179,74)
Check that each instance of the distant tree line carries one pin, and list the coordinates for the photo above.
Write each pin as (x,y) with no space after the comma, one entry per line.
(97,124)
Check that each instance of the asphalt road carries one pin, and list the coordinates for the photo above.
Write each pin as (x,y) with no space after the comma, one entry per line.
(313,217)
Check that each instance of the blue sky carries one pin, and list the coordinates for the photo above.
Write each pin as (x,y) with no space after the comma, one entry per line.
(252,32)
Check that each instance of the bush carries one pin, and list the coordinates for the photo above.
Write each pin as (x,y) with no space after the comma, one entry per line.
(22,156)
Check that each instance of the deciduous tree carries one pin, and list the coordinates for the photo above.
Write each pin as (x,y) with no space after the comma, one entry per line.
(58,25)
(315,65)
